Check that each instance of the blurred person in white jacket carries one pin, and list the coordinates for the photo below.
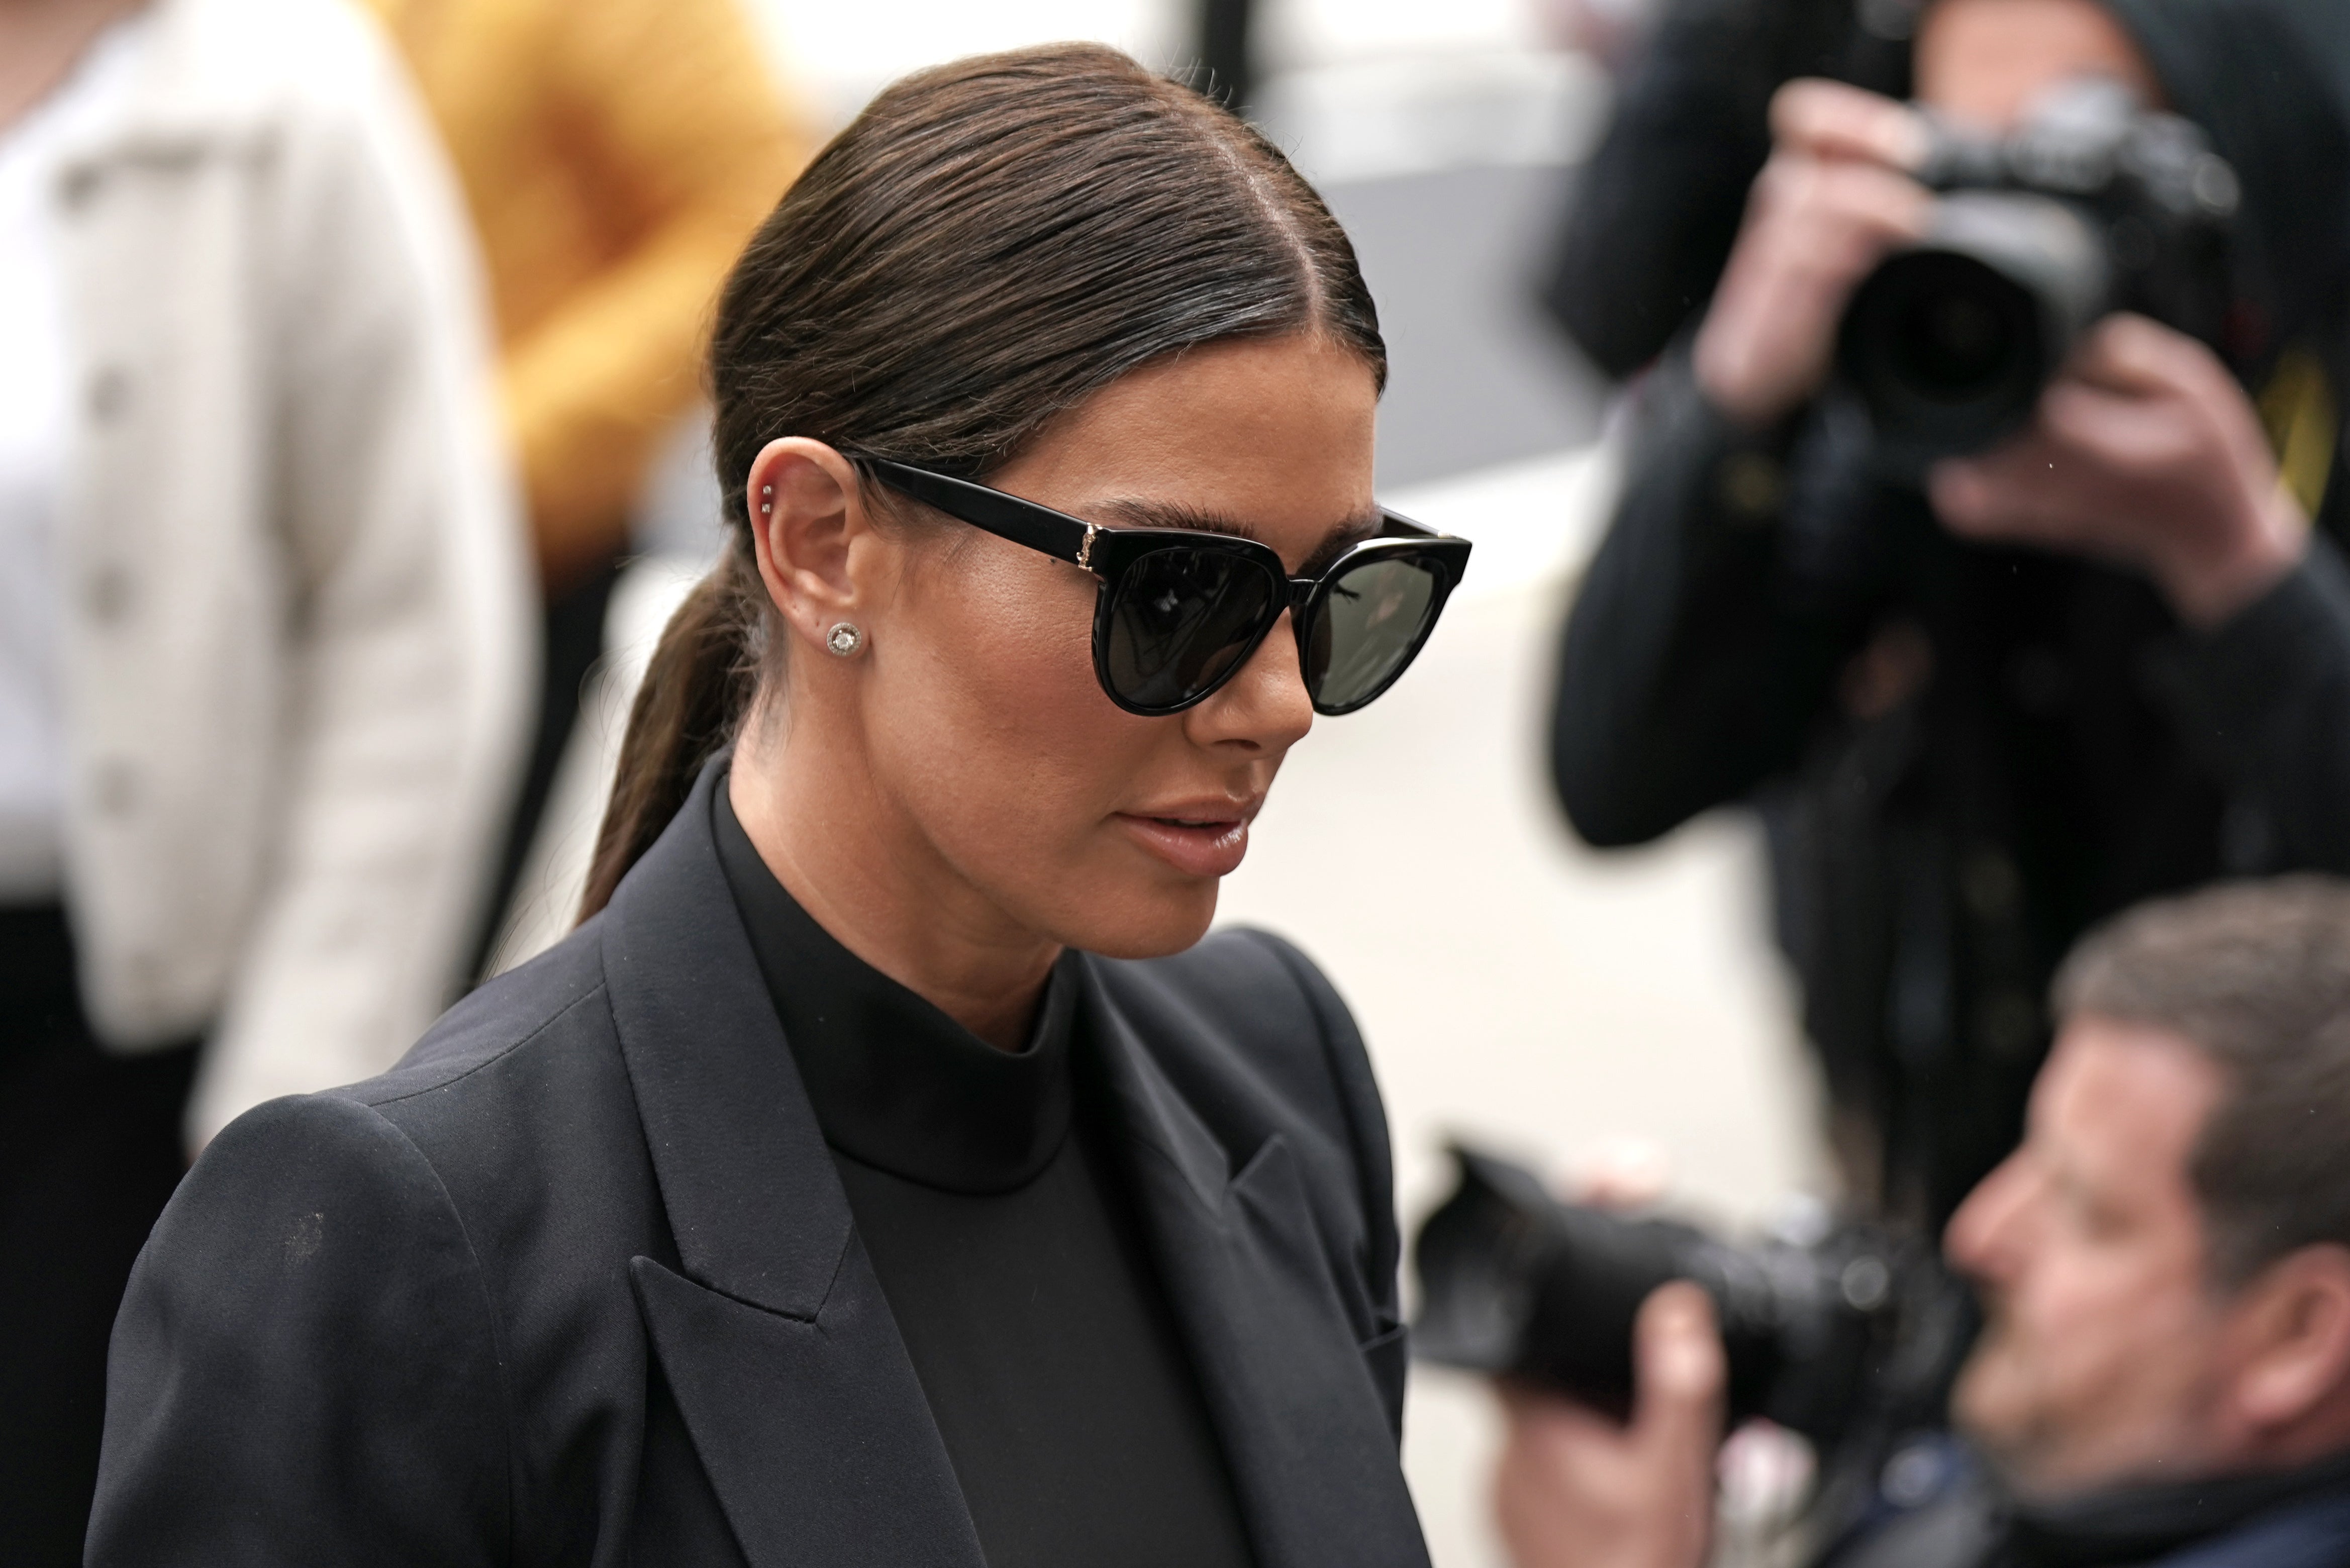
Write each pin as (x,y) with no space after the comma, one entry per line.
(263,647)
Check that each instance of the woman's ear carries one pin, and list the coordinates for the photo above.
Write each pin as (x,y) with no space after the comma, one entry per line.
(807,514)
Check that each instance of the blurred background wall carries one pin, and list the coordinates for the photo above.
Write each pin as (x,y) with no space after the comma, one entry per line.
(1512,984)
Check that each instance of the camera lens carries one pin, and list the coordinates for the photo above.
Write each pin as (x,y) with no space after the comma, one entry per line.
(1951,346)
(1948,345)
(1945,351)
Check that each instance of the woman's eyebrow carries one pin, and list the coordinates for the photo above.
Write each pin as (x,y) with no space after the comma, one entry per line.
(1144,514)
(1136,513)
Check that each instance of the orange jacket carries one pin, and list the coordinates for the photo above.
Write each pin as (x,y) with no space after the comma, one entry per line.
(615,154)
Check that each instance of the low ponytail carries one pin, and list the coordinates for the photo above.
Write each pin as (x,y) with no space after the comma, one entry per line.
(700,684)
(987,245)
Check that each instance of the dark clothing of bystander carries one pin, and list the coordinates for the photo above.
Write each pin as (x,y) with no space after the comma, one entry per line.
(90,1148)
(2280,1519)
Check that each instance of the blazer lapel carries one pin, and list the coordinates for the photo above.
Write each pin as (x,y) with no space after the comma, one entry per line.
(776,1339)
(1313,1459)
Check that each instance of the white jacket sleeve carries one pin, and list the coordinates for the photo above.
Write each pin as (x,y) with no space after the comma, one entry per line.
(408,651)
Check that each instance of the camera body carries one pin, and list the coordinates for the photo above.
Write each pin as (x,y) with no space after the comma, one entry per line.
(2092,205)
(1848,1334)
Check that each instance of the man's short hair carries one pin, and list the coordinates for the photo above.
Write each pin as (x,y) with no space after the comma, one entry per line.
(2257,974)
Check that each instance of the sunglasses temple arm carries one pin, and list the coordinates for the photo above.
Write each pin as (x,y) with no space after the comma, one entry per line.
(1007,516)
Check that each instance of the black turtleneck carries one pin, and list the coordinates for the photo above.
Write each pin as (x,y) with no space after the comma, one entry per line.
(987,1190)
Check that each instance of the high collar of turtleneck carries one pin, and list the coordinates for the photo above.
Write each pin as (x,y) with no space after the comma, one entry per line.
(895,1082)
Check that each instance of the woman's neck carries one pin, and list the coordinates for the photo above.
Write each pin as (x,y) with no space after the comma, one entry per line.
(40,40)
(864,873)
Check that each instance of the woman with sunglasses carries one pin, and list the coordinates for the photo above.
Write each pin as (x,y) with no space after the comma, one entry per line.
(888,1173)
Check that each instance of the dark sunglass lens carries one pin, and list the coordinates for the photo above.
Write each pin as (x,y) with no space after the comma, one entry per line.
(1182,619)
(1372,621)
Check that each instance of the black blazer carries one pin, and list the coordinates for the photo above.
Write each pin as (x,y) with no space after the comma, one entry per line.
(577,1283)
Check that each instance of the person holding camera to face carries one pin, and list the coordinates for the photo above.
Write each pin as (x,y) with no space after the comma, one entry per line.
(2164,1264)
(1995,666)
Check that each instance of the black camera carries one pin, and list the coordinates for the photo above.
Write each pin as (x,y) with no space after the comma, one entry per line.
(2092,206)
(1840,1335)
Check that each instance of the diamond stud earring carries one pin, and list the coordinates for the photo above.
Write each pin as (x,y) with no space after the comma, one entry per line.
(844,639)
(766,505)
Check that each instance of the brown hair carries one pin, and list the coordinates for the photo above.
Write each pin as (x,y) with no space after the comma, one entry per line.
(2257,975)
(988,244)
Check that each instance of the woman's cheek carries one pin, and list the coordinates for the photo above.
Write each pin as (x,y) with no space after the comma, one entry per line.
(1019,754)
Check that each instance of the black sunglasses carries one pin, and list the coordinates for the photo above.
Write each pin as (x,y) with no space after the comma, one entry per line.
(1179,611)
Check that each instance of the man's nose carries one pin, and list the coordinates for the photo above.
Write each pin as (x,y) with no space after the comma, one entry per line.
(1981,1239)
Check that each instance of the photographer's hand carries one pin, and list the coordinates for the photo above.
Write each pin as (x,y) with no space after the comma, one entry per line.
(1831,202)
(1576,1487)
(2148,453)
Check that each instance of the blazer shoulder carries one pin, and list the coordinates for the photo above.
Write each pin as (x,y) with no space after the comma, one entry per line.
(503,1087)
(558,993)
(311,1266)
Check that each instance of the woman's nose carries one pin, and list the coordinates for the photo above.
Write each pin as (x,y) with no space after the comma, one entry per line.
(1265,707)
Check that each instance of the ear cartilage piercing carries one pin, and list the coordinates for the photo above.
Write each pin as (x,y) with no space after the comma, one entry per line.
(766,505)
(844,639)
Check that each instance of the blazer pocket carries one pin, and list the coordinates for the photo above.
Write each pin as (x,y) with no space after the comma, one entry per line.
(1268,1169)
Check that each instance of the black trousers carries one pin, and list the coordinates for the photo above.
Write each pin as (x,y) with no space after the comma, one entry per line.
(90,1148)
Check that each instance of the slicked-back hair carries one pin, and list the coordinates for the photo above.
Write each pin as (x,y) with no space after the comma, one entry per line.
(2256,975)
(986,245)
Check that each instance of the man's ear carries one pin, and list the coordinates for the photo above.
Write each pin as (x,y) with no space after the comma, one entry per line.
(807,511)
(2294,1323)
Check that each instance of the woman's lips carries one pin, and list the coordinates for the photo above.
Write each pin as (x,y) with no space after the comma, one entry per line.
(1197,848)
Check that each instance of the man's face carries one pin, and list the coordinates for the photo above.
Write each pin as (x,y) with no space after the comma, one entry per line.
(2101,1356)
(1986,62)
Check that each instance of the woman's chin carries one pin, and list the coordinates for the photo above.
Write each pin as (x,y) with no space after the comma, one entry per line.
(1152,924)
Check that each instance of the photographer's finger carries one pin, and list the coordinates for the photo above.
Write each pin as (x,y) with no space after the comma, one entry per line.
(1682,1373)
(2029,491)
(1813,232)
(2128,353)
(1996,495)
(2111,427)
(1827,202)
(1961,494)
(1833,119)
(1544,1421)
(1539,1499)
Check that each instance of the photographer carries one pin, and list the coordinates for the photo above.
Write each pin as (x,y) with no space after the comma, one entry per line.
(2108,658)
(2165,1268)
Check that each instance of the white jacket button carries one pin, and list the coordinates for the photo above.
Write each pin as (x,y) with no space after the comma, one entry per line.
(115,787)
(79,186)
(107,595)
(110,394)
